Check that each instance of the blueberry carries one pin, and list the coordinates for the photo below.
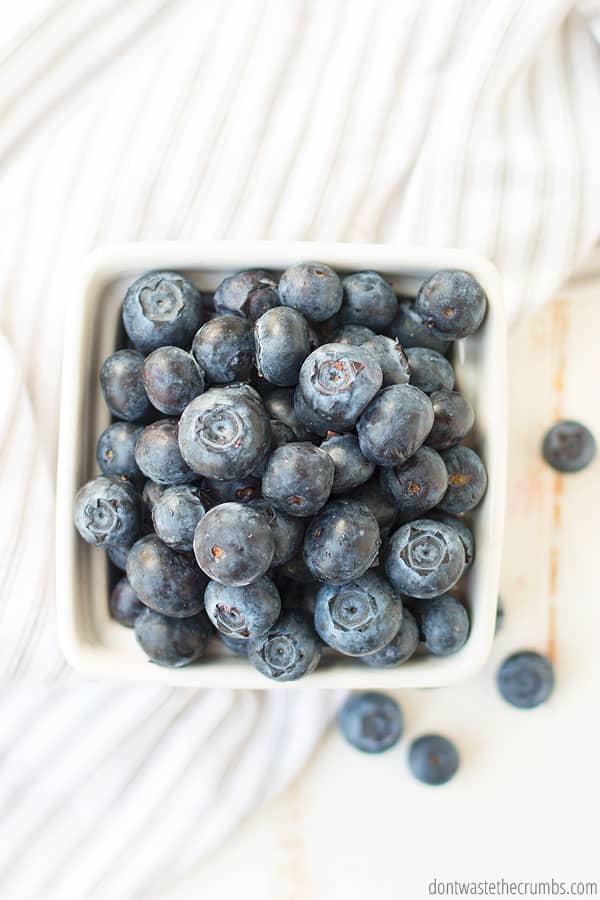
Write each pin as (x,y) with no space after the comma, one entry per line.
(244,490)
(424,558)
(391,357)
(360,617)
(123,388)
(296,570)
(429,370)
(373,497)
(451,303)
(108,511)
(235,645)
(433,759)
(151,493)
(368,300)
(353,334)
(313,289)
(243,612)
(162,308)
(444,624)
(172,378)
(337,381)
(371,722)
(163,579)
(224,434)
(124,605)
(118,554)
(395,424)
(467,480)
(351,467)
(282,344)
(526,679)
(453,419)
(400,648)
(464,532)
(280,405)
(418,484)
(289,650)
(233,544)
(280,434)
(158,456)
(224,348)
(248,294)
(311,421)
(115,451)
(298,479)
(568,447)
(172,642)
(176,514)
(409,328)
(288,531)
(341,542)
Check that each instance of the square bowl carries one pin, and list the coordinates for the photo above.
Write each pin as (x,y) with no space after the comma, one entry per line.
(98,646)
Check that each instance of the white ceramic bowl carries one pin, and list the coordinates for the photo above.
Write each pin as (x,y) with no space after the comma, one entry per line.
(98,646)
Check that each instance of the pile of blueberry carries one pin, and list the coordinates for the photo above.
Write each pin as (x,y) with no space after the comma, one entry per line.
(285,468)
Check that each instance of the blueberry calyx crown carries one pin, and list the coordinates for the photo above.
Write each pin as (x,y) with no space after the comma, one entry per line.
(425,551)
(219,427)
(163,302)
(280,654)
(350,611)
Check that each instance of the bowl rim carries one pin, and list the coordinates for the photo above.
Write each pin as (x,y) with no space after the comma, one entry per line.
(106,264)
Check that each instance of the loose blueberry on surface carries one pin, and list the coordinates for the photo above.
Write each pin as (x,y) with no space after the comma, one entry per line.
(224,434)
(158,456)
(391,357)
(124,605)
(224,348)
(289,650)
(467,480)
(123,388)
(243,612)
(371,722)
(337,381)
(360,617)
(453,419)
(280,405)
(298,479)
(429,370)
(526,679)
(288,531)
(433,759)
(282,344)
(569,447)
(341,542)
(368,300)
(248,294)
(172,642)
(353,334)
(115,451)
(313,289)
(395,424)
(409,328)
(451,303)
(163,579)
(351,467)
(424,558)
(108,511)
(162,308)
(234,544)
(176,514)
(464,533)
(444,623)
(244,490)
(400,648)
(172,378)
(418,484)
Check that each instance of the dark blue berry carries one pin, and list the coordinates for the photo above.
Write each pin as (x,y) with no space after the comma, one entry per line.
(162,308)
(288,531)
(282,344)
(526,679)
(444,624)
(172,378)
(368,300)
(395,424)
(296,570)
(360,617)
(569,447)
(400,648)
(312,422)
(451,303)
(467,480)
(158,456)
(108,511)
(391,357)
(176,514)
(172,642)
(298,479)
(123,388)
(418,484)
(248,294)
(453,419)
(289,650)
(353,334)
(240,648)
(371,722)
(243,612)
(375,499)
(124,605)
(115,451)
(280,405)
(424,558)
(244,490)
(151,493)
(233,544)
(351,467)
(429,370)
(341,542)
(118,554)
(433,759)
(163,579)
(464,533)
(224,348)
(409,328)
(313,289)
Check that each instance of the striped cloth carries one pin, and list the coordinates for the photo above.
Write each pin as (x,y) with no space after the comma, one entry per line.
(470,123)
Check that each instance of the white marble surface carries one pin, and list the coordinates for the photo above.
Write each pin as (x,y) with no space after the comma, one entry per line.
(524,804)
